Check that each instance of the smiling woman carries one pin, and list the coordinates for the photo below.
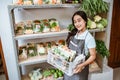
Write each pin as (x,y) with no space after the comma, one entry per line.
(84,43)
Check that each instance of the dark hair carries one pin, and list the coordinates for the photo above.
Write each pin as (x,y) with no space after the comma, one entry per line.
(74,31)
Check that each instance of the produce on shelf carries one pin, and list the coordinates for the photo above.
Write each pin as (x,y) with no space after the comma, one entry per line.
(100,26)
(41,50)
(37,28)
(37,2)
(54,73)
(70,27)
(97,18)
(35,75)
(45,25)
(22,53)
(27,2)
(54,44)
(28,29)
(48,45)
(31,49)
(46,74)
(91,24)
(61,42)
(101,48)
(94,7)
(72,1)
(54,25)
(97,22)
(104,22)
(36,49)
(19,28)
(18,2)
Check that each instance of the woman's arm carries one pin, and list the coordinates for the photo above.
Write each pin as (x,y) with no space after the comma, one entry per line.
(87,62)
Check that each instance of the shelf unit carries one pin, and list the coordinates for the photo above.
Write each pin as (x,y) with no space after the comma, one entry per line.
(41,59)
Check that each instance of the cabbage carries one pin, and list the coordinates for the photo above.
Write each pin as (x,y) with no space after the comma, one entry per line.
(100,26)
(104,22)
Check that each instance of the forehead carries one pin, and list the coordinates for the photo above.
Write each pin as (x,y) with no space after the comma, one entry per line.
(77,17)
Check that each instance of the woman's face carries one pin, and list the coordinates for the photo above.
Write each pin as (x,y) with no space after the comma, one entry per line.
(79,23)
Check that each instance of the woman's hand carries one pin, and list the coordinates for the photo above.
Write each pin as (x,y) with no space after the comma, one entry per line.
(78,68)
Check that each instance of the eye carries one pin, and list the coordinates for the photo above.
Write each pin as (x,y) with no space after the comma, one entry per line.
(75,21)
(79,20)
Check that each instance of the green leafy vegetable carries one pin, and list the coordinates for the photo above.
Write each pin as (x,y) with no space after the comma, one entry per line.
(70,27)
(93,7)
(101,48)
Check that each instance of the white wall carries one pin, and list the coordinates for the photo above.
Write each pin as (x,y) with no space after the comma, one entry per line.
(6,37)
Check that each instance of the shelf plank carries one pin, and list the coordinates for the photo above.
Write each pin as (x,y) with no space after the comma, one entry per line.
(97,30)
(42,35)
(13,6)
(50,34)
(33,60)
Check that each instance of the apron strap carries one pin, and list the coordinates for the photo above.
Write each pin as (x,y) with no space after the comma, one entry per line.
(84,45)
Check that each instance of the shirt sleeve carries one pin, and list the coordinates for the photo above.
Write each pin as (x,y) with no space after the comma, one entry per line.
(91,42)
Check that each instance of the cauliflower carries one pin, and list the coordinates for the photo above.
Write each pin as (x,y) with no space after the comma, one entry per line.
(97,18)
(91,24)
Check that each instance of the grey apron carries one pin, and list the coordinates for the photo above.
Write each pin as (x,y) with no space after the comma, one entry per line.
(78,46)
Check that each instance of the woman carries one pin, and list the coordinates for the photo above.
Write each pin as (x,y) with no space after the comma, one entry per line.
(80,40)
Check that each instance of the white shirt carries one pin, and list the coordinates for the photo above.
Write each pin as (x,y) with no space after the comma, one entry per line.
(89,40)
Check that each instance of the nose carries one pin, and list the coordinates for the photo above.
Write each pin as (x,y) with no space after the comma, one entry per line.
(77,24)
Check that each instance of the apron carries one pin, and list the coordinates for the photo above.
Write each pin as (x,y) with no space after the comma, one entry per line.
(78,46)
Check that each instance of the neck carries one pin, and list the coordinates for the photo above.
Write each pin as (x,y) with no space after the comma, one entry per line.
(81,31)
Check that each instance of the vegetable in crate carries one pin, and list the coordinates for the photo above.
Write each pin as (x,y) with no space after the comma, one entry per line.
(65,53)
